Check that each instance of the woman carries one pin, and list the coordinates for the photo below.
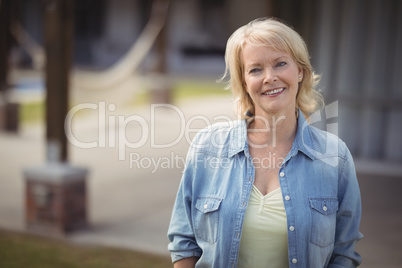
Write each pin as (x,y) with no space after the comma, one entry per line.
(268,190)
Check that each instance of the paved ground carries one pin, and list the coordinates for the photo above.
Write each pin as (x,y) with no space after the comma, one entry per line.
(130,199)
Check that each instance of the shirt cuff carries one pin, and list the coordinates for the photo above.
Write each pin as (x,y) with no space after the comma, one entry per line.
(178,255)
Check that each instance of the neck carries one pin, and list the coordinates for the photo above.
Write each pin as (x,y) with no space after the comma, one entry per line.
(274,129)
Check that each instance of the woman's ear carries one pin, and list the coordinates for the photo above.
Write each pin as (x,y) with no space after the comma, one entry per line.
(301,73)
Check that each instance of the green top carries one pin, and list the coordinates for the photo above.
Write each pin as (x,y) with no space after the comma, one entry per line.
(264,240)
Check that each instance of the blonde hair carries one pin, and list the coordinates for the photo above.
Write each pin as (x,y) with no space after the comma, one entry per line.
(279,36)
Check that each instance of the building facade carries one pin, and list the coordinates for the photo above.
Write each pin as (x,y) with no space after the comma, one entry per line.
(354,44)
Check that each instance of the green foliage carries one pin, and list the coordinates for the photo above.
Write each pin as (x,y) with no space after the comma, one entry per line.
(183,89)
(198,88)
(32,112)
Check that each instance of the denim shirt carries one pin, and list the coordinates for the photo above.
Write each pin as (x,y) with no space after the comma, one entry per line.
(319,189)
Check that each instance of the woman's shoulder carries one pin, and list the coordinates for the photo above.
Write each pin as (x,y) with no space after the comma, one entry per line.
(218,136)
(221,127)
(327,143)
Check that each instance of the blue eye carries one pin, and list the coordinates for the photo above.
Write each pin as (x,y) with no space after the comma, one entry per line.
(280,64)
(254,70)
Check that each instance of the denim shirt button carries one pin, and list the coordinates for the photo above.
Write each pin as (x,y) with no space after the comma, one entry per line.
(324,208)
(294,260)
(291,228)
(282,174)
(287,198)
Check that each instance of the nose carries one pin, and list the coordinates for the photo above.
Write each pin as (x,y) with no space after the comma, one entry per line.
(270,76)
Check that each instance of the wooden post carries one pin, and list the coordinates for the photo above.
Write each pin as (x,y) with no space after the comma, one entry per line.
(4,49)
(161,90)
(4,42)
(55,199)
(58,43)
(9,111)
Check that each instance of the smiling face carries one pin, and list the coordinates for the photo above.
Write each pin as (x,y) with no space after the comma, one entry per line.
(271,78)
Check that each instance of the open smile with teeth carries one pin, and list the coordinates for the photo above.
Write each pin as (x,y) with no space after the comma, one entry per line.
(274,91)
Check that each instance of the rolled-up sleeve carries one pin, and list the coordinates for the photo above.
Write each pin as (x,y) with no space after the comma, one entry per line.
(348,215)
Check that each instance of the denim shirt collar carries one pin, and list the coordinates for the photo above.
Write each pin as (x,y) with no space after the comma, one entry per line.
(303,141)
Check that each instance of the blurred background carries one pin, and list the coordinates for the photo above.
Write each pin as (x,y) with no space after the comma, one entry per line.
(116,58)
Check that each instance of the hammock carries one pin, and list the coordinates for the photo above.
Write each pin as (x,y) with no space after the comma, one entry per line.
(120,72)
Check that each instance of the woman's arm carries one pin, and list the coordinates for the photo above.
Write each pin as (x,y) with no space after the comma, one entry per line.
(348,217)
(183,244)
(186,263)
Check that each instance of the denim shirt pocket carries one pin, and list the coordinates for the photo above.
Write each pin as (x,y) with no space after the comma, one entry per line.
(323,220)
(206,219)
